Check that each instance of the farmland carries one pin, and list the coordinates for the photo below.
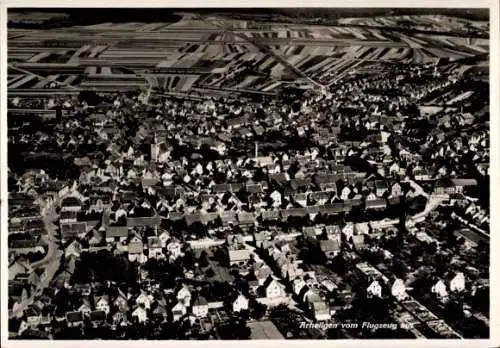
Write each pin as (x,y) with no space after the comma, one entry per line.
(218,53)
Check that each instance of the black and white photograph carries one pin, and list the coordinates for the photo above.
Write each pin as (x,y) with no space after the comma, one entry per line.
(227,173)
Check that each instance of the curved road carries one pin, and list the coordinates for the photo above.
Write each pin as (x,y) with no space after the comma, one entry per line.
(50,262)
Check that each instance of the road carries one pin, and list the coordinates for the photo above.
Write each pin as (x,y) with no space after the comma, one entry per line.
(50,262)
(482,233)
(267,50)
(34,111)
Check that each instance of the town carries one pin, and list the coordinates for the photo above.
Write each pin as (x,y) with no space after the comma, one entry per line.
(219,177)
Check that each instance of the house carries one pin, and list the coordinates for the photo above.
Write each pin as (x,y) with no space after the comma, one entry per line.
(135,247)
(376,204)
(83,289)
(33,315)
(444,186)
(460,184)
(68,216)
(358,241)
(330,248)
(121,301)
(144,300)
(246,219)
(260,238)
(179,310)
(97,318)
(164,236)
(329,285)
(71,203)
(374,289)
(380,187)
(318,307)
(291,271)
(140,314)
(239,302)
(262,274)
(74,248)
(371,197)
(396,190)
(398,289)
(155,248)
(85,308)
(348,230)
(300,199)
(120,318)
(20,266)
(159,311)
(276,198)
(298,284)
(439,288)
(200,307)
(95,237)
(238,256)
(72,230)
(102,304)
(174,249)
(116,234)
(184,295)
(74,319)
(23,326)
(457,283)
(18,294)
(309,233)
(346,191)
(273,289)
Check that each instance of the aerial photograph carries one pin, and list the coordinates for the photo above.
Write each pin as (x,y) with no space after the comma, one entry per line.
(242,174)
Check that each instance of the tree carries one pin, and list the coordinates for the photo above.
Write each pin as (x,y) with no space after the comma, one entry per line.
(203,261)
(339,265)
(90,97)
(235,330)
(259,310)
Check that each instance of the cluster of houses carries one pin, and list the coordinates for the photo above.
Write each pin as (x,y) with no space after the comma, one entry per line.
(157,175)
(25,226)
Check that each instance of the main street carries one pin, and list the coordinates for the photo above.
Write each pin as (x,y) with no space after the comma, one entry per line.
(50,263)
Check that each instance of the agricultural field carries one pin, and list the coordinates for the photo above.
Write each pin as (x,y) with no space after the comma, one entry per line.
(224,54)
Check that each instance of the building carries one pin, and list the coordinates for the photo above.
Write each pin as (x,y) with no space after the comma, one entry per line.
(74,319)
(318,307)
(97,318)
(121,301)
(452,186)
(144,300)
(358,241)
(374,289)
(140,314)
(155,248)
(273,289)
(135,247)
(238,256)
(102,304)
(457,283)
(398,289)
(239,302)
(184,295)
(200,307)
(330,248)
(439,289)
(178,311)
(71,203)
